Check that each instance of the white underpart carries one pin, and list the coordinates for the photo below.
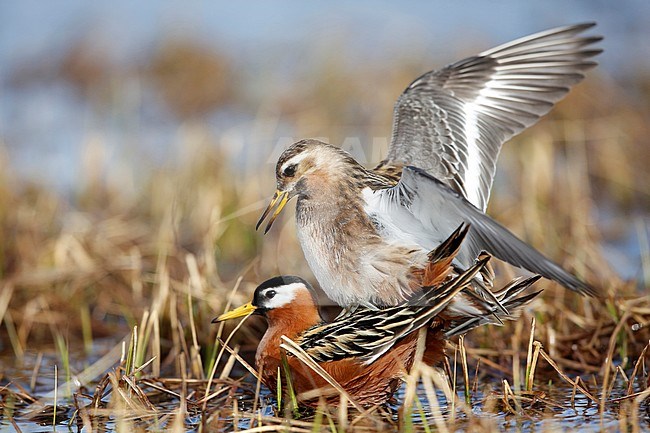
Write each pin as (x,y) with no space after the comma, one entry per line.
(320,266)
(283,295)
(338,286)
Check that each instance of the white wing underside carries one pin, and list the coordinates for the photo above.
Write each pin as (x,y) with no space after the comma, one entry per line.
(421,210)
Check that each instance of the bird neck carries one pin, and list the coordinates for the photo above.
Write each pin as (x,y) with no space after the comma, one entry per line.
(294,318)
(290,321)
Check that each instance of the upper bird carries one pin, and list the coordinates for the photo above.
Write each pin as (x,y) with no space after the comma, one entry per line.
(364,231)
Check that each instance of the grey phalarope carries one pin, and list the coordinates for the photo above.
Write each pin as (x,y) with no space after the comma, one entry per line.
(365,232)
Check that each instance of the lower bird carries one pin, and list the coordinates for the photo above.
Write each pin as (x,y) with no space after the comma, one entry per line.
(368,351)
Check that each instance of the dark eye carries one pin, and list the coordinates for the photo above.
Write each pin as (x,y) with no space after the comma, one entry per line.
(290,170)
(270,294)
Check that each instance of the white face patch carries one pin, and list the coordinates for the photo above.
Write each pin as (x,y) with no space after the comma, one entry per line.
(283,295)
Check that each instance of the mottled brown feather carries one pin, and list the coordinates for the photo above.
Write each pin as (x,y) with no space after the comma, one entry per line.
(367,384)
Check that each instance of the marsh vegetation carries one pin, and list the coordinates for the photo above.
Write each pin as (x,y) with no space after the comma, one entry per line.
(107,290)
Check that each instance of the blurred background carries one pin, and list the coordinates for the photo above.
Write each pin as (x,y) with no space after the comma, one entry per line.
(151,113)
(129,75)
(137,150)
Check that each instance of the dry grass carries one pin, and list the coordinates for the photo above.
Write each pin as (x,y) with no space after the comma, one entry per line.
(117,287)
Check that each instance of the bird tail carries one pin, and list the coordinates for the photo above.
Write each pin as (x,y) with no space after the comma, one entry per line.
(439,297)
(439,268)
(484,313)
(439,264)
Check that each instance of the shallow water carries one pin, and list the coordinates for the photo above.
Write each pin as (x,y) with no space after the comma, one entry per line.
(556,411)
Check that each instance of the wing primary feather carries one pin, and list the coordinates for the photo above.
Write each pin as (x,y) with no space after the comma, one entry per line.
(441,120)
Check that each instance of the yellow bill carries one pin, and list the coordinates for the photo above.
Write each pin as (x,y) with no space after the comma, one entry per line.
(280,198)
(244,310)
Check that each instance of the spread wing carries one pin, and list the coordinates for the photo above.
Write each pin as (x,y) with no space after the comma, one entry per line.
(423,210)
(452,122)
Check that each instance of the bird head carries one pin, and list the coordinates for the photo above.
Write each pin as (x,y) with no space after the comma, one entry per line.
(304,164)
(282,296)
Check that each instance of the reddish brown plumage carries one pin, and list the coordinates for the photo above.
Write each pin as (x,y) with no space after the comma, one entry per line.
(367,385)
(437,269)
(433,274)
